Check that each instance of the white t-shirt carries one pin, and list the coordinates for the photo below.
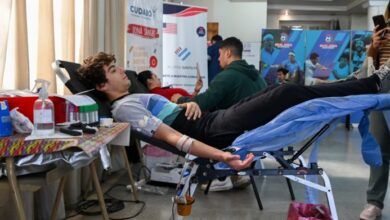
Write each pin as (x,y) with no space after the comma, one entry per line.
(145,112)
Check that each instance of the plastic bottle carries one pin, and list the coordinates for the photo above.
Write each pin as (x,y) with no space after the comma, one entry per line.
(43,111)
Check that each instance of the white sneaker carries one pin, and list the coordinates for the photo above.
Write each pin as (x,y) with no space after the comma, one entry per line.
(218,185)
(241,182)
(370,212)
(384,75)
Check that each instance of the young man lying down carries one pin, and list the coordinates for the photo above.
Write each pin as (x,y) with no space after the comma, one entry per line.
(157,117)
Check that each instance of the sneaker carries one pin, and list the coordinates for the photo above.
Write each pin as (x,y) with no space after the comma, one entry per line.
(241,182)
(370,212)
(218,185)
(384,75)
(365,71)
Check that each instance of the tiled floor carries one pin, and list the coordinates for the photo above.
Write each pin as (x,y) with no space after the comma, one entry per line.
(339,156)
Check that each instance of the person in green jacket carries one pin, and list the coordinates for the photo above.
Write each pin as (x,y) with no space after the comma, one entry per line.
(236,81)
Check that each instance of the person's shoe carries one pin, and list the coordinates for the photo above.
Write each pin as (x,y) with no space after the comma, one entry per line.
(384,75)
(370,212)
(218,185)
(241,182)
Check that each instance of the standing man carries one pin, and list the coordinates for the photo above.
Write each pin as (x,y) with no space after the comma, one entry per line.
(212,57)
(237,80)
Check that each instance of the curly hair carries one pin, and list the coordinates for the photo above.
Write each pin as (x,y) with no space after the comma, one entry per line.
(92,72)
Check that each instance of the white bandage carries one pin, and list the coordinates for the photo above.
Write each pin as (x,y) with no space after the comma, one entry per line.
(181,141)
(187,145)
(184,143)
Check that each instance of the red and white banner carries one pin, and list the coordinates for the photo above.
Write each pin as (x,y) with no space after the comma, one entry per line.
(184,45)
(144,36)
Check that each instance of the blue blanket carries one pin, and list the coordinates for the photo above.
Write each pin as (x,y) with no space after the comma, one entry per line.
(304,120)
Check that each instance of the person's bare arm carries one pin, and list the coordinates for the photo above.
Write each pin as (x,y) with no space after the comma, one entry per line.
(171,136)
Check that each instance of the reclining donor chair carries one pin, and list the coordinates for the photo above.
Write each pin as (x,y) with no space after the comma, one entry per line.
(310,121)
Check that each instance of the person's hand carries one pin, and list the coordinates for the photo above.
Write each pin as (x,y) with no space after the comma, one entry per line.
(175,97)
(192,110)
(376,40)
(235,162)
(198,85)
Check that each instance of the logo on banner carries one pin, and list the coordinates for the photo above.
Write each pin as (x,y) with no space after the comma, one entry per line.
(142,12)
(142,31)
(284,41)
(153,61)
(169,28)
(201,31)
(284,37)
(328,42)
(183,54)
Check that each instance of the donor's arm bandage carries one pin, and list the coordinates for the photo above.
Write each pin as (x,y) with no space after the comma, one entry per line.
(184,143)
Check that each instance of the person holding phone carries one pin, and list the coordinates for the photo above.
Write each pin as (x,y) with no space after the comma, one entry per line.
(378,56)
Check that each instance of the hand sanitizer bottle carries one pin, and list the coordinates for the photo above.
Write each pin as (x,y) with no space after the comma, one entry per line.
(43,111)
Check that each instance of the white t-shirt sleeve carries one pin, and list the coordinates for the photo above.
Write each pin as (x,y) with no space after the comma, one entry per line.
(139,117)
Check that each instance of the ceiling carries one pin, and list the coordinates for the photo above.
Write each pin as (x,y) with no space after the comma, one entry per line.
(320,6)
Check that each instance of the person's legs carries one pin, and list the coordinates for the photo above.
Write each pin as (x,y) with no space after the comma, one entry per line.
(379,176)
(262,108)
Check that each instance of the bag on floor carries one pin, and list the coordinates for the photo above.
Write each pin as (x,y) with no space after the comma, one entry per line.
(303,211)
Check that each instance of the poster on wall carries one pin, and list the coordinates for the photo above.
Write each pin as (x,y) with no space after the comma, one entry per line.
(360,40)
(251,53)
(327,55)
(184,45)
(144,39)
(281,48)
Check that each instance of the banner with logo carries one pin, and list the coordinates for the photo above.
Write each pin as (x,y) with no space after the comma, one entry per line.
(333,48)
(360,40)
(144,39)
(184,45)
(276,45)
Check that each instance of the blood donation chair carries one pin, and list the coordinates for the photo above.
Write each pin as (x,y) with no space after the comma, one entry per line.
(307,122)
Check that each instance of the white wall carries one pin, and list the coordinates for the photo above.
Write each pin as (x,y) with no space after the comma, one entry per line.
(359,22)
(273,19)
(243,20)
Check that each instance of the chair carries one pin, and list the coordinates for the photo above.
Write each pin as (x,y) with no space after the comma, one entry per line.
(263,143)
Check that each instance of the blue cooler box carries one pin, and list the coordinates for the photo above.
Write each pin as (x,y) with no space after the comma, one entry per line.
(5,120)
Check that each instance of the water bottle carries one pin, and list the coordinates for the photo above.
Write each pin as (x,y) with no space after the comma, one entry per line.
(43,112)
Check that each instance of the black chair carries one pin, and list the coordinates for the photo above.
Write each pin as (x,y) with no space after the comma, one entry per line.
(205,171)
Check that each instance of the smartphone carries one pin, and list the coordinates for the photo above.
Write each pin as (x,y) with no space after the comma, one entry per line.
(198,77)
(380,20)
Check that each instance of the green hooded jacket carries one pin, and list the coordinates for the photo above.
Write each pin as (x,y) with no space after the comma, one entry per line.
(237,81)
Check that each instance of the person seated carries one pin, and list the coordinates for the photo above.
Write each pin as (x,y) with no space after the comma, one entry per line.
(238,80)
(208,132)
(281,76)
(153,83)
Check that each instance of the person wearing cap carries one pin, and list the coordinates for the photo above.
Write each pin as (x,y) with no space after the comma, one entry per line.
(268,53)
(292,65)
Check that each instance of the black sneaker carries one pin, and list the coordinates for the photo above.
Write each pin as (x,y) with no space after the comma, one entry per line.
(384,76)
